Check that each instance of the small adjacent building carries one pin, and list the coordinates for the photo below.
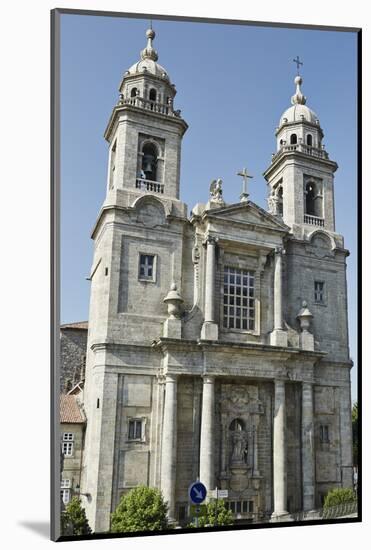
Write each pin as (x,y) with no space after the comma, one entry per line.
(72,431)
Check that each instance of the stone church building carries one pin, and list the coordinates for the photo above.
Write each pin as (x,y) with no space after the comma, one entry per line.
(217,342)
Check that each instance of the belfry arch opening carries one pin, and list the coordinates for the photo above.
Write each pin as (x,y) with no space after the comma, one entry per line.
(133,92)
(313,200)
(293,139)
(152,94)
(149,161)
(309,140)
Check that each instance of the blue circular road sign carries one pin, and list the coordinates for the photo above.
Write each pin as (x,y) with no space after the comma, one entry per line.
(197,492)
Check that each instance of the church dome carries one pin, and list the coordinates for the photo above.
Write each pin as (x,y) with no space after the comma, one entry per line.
(148,62)
(298,112)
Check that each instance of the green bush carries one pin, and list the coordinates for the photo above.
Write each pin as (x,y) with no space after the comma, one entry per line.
(74,520)
(339,496)
(141,509)
(216,515)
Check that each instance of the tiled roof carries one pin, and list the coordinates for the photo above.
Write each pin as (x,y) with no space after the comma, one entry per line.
(70,412)
(82,325)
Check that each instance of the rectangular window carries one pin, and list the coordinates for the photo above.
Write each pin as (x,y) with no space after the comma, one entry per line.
(251,506)
(182,512)
(65,490)
(147,267)
(67,444)
(319,292)
(324,433)
(239,302)
(135,429)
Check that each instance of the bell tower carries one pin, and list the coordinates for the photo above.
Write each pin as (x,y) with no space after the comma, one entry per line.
(301,174)
(145,132)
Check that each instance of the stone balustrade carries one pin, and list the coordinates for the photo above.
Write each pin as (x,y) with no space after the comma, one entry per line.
(314,220)
(149,185)
(301,148)
(162,108)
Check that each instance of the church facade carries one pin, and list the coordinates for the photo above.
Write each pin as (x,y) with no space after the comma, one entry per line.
(217,343)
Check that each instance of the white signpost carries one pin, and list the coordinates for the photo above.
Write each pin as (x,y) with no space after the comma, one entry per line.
(219,493)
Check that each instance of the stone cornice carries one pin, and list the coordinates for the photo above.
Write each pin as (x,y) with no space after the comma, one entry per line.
(274,352)
(105,209)
(131,108)
(302,156)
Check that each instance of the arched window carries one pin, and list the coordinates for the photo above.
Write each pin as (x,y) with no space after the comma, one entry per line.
(133,92)
(149,161)
(293,139)
(310,190)
(237,425)
(309,140)
(152,94)
(281,142)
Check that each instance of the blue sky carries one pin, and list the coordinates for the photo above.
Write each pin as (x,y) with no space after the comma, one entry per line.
(233,83)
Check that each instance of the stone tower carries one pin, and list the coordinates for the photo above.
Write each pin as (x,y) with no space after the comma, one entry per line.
(138,240)
(301,175)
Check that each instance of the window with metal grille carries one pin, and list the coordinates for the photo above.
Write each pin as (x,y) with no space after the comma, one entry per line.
(239,299)
(324,433)
(147,267)
(319,292)
(241,506)
(135,428)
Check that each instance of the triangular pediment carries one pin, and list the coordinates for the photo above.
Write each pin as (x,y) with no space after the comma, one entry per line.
(248,213)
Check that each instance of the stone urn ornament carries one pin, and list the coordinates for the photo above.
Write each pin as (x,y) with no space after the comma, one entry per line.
(174,301)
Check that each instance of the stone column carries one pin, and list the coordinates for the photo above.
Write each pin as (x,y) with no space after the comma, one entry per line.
(209,329)
(279,450)
(307,441)
(279,335)
(207,433)
(169,442)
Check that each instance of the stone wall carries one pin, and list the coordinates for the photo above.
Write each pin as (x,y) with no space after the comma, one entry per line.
(73,356)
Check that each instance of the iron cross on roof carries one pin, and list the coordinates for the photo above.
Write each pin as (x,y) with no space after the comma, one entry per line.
(244,195)
(298,63)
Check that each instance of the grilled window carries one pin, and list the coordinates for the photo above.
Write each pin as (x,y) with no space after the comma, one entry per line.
(239,299)
(135,429)
(319,292)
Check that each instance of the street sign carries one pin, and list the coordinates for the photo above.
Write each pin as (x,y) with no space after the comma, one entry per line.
(219,493)
(198,510)
(197,492)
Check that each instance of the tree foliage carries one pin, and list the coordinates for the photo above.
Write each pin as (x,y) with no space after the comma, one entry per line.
(339,496)
(216,515)
(74,520)
(355,432)
(141,509)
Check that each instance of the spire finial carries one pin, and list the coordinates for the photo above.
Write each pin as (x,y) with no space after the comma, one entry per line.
(244,195)
(298,63)
(149,52)
(298,97)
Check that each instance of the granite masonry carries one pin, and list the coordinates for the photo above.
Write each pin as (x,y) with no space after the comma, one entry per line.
(218,343)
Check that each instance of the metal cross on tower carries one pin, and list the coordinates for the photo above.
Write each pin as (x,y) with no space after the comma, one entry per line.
(298,63)
(244,195)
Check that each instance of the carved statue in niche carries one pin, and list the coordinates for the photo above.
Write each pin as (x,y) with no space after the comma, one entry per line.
(239,443)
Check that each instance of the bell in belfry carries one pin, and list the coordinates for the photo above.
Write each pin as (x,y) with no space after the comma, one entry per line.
(149,162)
